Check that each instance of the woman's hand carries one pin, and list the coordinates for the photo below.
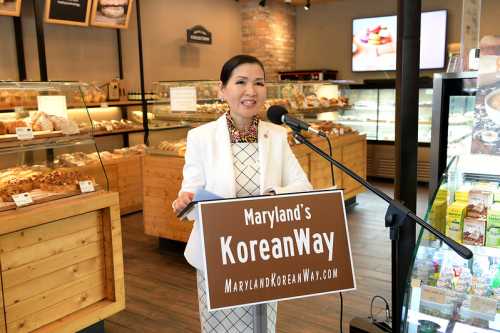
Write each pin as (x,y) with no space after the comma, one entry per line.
(182,201)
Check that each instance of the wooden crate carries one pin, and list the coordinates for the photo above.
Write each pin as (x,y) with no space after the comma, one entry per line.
(61,264)
(125,177)
(162,181)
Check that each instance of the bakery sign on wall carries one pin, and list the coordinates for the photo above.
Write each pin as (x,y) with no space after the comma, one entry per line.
(199,34)
(70,12)
(263,249)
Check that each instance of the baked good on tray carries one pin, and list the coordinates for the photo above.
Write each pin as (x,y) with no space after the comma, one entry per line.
(19,180)
(61,180)
(13,124)
(41,122)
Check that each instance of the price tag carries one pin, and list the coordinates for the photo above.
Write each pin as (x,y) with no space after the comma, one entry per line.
(483,305)
(104,105)
(86,186)
(24,133)
(433,294)
(22,199)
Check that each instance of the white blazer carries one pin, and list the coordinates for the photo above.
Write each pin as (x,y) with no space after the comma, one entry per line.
(209,165)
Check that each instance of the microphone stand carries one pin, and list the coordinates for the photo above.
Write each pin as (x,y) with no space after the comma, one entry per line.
(396,216)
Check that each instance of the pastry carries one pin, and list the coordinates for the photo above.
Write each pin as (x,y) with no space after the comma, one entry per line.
(64,125)
(41,122)
(3,129)
(178,147)
(12,125)
(61,180)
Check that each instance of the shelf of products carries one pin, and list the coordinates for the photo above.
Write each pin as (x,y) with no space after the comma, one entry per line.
(373,113)
(443,285)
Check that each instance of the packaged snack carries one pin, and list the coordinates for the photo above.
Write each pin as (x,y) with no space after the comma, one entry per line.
(479,201)
(455,220)
(462,194)
(493,237)
(474,232)
(493,216)
(437,217)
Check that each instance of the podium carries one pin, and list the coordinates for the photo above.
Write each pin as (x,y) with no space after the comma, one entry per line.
(261,249)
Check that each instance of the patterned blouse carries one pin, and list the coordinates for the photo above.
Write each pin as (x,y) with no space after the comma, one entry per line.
(248,135)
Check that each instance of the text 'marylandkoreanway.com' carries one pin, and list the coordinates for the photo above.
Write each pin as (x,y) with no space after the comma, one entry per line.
(274,248)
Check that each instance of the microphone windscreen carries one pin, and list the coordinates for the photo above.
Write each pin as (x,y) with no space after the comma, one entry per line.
(275,113)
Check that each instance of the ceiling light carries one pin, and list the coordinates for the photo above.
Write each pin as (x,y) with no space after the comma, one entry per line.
(307,5)
(262,3)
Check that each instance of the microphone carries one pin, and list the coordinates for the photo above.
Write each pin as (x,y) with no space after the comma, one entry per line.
(279,115)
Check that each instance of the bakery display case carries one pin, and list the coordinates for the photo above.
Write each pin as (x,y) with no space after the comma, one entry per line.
(454,98)
(373,113)
(198,101)
(39,132)
(61,254)
(447,293)
(46,171)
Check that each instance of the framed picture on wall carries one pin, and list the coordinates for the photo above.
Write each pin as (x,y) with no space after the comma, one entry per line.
(111,13)
(74,12)
(10,7)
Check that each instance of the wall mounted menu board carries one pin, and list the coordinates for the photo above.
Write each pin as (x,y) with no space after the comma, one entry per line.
(111,13)
(10,7)
(71,12)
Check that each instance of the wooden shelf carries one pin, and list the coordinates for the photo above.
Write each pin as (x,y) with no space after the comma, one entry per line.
(116,132)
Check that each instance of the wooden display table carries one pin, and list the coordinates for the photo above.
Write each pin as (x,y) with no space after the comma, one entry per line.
(349,149)
(125,177)
(162,181)
(61,264)
(163,176)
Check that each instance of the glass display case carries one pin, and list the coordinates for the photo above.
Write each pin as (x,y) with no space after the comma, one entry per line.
(452,119)
(47,151)
(199,101)
(373,113)
(447,293)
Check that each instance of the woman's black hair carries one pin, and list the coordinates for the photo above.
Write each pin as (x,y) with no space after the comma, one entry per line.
(231,64)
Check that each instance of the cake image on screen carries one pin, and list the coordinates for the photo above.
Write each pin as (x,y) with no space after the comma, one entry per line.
(377,36)
(374,44)
(112,11)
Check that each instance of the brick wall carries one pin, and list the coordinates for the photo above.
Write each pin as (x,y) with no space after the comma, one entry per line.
(269,34)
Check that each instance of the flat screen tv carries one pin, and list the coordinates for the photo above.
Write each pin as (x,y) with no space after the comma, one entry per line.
(374,42)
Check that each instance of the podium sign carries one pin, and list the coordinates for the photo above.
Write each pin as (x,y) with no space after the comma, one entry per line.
(270,248)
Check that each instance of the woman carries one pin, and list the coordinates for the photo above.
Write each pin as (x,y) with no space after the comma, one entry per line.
(236,156)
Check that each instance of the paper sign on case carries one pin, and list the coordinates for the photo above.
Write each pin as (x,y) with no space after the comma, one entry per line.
(53,105)
(183,99)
